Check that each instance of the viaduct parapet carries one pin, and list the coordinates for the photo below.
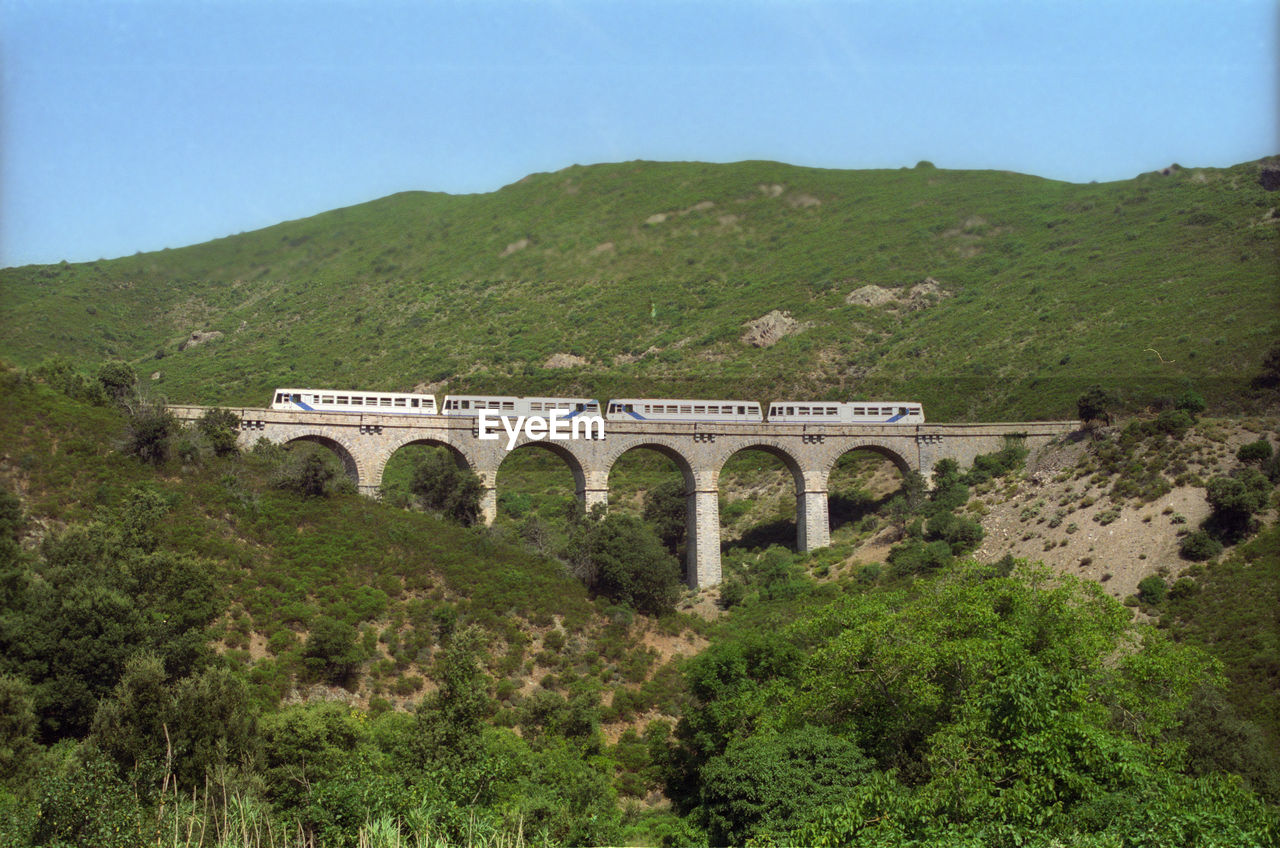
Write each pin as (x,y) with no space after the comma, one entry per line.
(366,442)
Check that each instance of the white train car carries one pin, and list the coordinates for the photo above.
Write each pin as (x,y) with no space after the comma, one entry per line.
(511,405)
(348,400)
(853,412)
(667,409)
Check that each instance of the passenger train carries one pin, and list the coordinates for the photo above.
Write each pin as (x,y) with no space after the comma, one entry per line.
(618,409)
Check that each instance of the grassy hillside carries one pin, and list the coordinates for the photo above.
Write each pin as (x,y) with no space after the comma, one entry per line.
(649,272)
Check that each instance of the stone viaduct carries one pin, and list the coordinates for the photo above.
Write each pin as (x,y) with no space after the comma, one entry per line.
(365,442)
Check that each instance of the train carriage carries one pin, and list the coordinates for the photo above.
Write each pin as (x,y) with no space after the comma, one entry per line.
(512,405)
(846,412)
(667,409)
(348,400)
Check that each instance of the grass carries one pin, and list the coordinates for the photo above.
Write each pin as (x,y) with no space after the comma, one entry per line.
(1053,286)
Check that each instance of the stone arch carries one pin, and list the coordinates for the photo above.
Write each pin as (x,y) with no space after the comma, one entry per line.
(570,459)
(842,511)
(339,448)
(811,506)
(768,446)
(462,460)
(671,453)
(880,448)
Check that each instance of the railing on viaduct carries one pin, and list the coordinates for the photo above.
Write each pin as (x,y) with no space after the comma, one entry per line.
(366,442)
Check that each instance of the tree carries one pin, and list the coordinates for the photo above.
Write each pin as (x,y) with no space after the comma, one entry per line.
(221,427)
(1234,501)
(759,789)
(620,557)
(331,652)
(1093,405)
(664,509)
(118,380)
(440,485)
(150,432)
(310,471)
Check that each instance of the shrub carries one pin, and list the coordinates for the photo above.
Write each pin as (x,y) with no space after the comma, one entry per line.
(620,557)
(1152,589)
(440,485)
(150,432)
(1234,501)
(221,428)
(331,652)
(1191,401)
(118,380)
(1199,546)
(1255,452)
(1093,405)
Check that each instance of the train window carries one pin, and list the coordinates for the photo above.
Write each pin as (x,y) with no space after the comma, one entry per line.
(357,401)
(902,410)
(466,404)
(413,402)
(580,406)
(742,410)
(628,408)
(398,401)
(686,409)
(700,410)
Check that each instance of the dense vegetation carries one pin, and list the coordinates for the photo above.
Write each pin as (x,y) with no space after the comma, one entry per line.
(205,642)
(157,644)
(648,272)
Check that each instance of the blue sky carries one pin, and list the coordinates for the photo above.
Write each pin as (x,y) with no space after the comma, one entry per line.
(134,125)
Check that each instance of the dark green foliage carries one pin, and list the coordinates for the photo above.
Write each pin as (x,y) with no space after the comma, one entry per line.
(1255,452)
(619,557)
(97,595)
(1094,404)
(150,432)
(1199,546)
(118,380)
(59,374)
(221,428)
(1152,589)
(442,486)
(664,509)
(762,786)
(1234,501)
(1268,376)
(1233,616)
(988,466)
(17,728)
(331,652)
(916,556)
(961,534)
(1220,740)
(312,472)
(87,803)
(1192,402)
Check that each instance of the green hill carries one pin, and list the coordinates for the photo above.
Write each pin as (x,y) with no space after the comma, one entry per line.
(645,276)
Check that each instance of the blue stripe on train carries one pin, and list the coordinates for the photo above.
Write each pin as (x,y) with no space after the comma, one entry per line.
(299,402)
(897,417)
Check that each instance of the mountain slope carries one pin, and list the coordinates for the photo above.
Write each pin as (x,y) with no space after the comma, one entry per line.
(645,275)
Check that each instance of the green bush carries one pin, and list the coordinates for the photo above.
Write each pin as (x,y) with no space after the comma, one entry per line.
(1255,452)
(331,652)
(1152,589)
(1199,546)
(221,428)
